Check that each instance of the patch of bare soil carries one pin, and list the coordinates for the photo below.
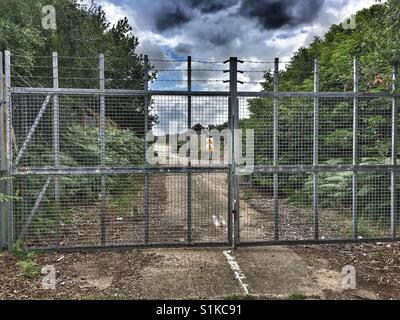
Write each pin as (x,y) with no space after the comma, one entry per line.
(98,275)
(377,268)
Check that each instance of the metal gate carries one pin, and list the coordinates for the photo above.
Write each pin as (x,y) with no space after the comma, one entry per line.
(100,167)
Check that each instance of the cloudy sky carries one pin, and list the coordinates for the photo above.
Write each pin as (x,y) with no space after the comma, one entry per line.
(214,30)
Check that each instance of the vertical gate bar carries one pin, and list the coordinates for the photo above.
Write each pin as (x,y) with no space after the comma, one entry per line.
(189,176)
(315,150)
(275,150)
(3,187)
(231,124)
(230,178)
(56,141)
(393,187)
(10,187)
(230,185)
(102,134)
(355,149)
(236,176)
(234,124)
(146,129)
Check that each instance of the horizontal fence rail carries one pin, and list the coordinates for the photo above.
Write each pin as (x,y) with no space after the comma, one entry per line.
(319,167)
(117,92)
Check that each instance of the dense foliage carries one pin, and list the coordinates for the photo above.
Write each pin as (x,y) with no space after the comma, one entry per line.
(375,42)
(82,33)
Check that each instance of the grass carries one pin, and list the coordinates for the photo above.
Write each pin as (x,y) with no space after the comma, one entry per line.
(27,260)
(297,296)
(29,268)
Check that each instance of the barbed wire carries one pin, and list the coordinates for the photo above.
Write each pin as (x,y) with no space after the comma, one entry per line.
(32,66)
(31,77)
(182,60)
(255,71)
(252,82)
(165,60)
(264,62)
(193,70)
(79,57)
(30,57)
(51,67)
(23,79)
(194,80)
(208,62)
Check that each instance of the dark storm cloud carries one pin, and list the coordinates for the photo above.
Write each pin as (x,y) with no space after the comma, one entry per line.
(175,13)
(183,49)
(273,14)
(210,6)
(270,14)
(171,16)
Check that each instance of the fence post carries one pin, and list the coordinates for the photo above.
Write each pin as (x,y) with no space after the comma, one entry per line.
(146,129)
(56,140)
(3,167)
(393,187)
(233,182)
(355,149)
(233,224)
(189,176)
(10,186)
(275,149)
(102,134)
(315,150)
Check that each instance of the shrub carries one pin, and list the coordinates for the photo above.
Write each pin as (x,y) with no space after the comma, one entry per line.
(80,147)
(29,268)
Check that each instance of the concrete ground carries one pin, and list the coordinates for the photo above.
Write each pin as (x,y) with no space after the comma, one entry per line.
(273,272)
(262,273)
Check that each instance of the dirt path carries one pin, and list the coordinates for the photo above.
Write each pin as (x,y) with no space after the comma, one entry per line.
(209,209)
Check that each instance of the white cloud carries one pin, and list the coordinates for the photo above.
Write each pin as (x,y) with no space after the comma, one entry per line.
(217,36)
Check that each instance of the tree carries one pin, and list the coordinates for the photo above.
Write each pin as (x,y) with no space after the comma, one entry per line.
(376,43)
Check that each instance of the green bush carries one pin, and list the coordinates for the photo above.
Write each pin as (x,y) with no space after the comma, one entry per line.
(335,191)
(29,268)
(79,147)
(27,260)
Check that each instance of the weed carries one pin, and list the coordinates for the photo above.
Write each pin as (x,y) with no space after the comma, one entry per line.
(297,296)
(29,268)
(27,260)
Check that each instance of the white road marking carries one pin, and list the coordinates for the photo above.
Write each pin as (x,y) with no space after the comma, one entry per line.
(237,271)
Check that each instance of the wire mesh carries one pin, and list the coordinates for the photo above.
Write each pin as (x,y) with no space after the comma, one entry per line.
(150,203)
(335,131)
(334,189)
(128,211)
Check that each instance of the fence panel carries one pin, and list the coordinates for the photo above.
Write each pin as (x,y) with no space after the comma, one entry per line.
(100,160)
